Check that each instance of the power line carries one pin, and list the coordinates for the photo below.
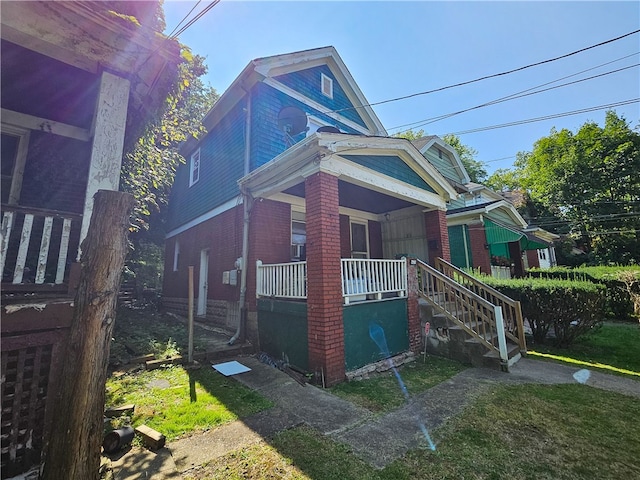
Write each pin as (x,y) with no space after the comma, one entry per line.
(183,19)
(460,84)
(546,117)
(523,93)
(196,18)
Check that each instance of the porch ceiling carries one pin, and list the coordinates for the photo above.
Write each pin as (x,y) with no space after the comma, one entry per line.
(38,85)
(359,198)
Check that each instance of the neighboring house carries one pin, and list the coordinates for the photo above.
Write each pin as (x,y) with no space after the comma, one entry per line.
(74,77)
(486,232)
(295,211)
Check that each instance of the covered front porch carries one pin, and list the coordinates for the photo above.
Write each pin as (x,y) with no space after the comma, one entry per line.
(357,205)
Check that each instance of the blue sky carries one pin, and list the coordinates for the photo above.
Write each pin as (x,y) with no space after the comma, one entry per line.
(394,49)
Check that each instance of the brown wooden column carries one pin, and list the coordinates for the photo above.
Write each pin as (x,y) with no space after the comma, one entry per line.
(324,292)
(516,258)
(437,235)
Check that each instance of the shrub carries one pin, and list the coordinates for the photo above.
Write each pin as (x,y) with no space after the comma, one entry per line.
(622,285)
(571,308)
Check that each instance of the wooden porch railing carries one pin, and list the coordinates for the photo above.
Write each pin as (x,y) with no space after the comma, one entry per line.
(372,277)
(29,238)
(512,313)
(469,311)
(282,280)
(362,279)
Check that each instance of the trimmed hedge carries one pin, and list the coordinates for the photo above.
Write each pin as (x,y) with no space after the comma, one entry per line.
(571,308)
(622,286)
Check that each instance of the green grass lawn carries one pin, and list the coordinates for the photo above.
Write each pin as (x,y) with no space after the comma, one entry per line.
(611,348)
(382,392)
(515,432)
(176,402)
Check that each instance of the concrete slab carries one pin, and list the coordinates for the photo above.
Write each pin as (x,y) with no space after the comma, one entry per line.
(139,463)
(316,407)
(197,449)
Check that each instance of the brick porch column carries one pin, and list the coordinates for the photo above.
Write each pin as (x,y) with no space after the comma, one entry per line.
(413,310)
(437,235)
(324,292)
(479,254)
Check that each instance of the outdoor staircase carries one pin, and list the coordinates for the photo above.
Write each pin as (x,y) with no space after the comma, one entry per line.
(469,321)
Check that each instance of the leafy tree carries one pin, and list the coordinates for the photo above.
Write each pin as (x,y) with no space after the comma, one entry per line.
(467,154)
(149,168)
(591,179)
(504,179)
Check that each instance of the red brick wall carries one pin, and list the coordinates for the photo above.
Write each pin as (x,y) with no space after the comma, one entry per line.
(437,235)
(532,259)
(375,239)
(516,258)
(269,239)
(222,235)
(479,253)
(345,237)
(324,299)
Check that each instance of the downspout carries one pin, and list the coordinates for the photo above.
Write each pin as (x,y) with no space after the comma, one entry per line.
(246,203)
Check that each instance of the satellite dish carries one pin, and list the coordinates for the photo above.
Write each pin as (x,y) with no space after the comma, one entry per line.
(292,121)
(328,129)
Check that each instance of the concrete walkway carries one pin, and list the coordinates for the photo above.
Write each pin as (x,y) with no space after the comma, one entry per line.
(377,440)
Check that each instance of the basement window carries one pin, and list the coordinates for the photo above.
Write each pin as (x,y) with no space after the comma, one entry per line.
(194,168)
(326,84)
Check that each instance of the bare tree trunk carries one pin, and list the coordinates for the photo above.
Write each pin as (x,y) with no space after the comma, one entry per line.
(73,448)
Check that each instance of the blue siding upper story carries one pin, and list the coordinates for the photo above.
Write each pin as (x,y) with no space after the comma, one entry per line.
(307,82)
(267,140)
(391,166)
(221,165)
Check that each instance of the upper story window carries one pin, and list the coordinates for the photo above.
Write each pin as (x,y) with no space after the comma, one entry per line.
(194,167)
(326,84)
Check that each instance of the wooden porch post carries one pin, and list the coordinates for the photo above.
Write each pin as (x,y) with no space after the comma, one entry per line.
(108,142)
(324,298)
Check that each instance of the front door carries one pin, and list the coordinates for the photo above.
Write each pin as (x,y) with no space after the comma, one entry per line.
(202,283)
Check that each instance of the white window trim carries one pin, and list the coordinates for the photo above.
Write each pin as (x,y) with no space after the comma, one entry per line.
(192,169)
(329,81)
(23,135)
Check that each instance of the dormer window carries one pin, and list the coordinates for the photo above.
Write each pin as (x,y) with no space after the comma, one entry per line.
(326,84)
(439,153)
(194,168)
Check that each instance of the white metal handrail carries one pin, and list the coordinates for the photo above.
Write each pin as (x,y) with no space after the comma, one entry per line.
(282,280)
(27,253)
(372,277)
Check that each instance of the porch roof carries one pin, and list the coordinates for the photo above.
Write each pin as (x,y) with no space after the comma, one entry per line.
(335,154)
(497,233)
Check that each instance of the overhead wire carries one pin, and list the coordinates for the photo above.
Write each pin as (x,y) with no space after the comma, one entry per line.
(183,19)
(507,72)
(546,117)
(521,94)
(196,18)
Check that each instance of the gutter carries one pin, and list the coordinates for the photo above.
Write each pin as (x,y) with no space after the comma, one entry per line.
(247,202)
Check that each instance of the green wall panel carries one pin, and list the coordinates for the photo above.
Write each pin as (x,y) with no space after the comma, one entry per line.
(460,247)
(391,315)
(282,327)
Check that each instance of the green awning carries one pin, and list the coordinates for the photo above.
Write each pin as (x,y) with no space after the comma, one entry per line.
(498,234)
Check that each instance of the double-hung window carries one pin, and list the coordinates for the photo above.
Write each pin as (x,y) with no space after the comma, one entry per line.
(194,168)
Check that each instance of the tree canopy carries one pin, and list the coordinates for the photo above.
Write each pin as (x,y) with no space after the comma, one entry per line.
(588,182)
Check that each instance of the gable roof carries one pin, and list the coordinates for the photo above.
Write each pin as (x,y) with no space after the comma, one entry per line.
(265,69)
(485,208)
(425,143)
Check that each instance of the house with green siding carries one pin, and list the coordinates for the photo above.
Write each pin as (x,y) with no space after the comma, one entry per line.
(304,222)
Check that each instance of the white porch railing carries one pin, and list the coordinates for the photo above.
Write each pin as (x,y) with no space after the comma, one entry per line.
(364,278)
(26,253)
(282,280)
(500,272)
